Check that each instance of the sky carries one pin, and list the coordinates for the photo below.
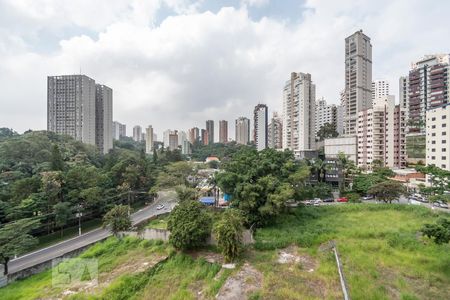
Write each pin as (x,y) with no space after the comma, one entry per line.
(173,64)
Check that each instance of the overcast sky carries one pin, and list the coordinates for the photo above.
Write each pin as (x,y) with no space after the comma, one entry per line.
(176,63)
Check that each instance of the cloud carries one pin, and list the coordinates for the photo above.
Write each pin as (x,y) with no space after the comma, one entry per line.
(196,65)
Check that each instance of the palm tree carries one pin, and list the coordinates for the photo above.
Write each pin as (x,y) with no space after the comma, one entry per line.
(348,168)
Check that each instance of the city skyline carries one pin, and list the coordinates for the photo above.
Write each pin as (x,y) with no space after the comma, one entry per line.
(146,92)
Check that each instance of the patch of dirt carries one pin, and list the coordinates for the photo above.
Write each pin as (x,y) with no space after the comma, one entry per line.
(291,255)
(242,284)
(135,264)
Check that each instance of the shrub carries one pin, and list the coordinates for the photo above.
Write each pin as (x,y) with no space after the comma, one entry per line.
(228,233)
(439,232)
(189,225)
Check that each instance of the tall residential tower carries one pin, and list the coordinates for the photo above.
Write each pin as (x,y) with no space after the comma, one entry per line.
(358,79)
(260,120)
(299,99)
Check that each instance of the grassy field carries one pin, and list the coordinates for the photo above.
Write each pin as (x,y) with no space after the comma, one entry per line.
(383,255)
(159,222)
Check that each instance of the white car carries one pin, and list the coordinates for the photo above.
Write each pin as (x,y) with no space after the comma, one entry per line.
(159,207)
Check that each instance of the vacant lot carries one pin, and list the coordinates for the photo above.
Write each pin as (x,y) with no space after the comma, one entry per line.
(383,254)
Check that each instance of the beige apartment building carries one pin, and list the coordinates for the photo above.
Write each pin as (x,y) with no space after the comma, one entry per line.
(381,135)
(437,137)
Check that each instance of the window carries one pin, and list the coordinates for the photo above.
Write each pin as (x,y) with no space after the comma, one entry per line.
(444,149)
(433,142)
(443,166)
(444,125)
(433,150)
(444,157)
(433,157)
(444,117)
(444,141)
(433,126)
(444,133)
(433,134)
(433,119)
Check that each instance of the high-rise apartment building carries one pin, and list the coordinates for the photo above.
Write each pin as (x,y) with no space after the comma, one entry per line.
(205,137)
(193,135)
(210,130)
(380,88)
(149,140)
(118,130)
(242,131)
(358,79)
(137,133)
(260,121)
(103,117)
(173,140)
(275,132)
(340,119)
(400,129)
(437,137)
(223,131)
(182,136)
(326,114)
(381,134)
(428,87)
(186,148)
(71,106)
(299,99)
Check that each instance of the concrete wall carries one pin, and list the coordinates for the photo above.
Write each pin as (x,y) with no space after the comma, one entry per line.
(37,268)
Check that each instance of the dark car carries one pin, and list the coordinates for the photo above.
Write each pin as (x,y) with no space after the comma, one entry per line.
(328,200)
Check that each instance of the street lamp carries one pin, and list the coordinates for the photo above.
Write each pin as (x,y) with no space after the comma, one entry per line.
(79,214)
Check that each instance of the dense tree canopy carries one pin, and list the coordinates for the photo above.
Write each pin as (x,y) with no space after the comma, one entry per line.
(261,182)
(51,177)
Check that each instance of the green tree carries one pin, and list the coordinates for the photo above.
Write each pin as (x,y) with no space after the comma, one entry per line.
(185,193)
(228,233)
(387,191)
(439,232)
(349,169)
(62,213)
(189,225)
(118,219)
(363,182)
(15,239)
(57,163)
(327,131)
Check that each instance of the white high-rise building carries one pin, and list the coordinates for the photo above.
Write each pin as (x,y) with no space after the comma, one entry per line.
(299,99)
(260,120)
(137,133)
(325,114)
(380,88)
(149,141)
(166,137)
(437,137)
(118,130)
(242,130)
(103,118)
(182,136)
(358,79)
(186,148)
(71,106)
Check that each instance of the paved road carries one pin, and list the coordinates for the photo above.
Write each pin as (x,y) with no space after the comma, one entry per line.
(167,198)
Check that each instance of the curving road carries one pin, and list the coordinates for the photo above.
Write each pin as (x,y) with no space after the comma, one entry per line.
(166,198)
